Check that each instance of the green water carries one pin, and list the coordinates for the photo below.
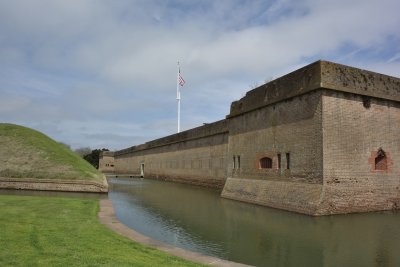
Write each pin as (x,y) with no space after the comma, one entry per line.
(198,219)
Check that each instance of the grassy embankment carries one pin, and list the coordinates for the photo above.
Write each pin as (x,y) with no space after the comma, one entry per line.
(47,231)
(53,231)
(26,153)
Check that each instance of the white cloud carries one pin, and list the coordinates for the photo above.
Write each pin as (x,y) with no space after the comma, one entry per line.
(65,64)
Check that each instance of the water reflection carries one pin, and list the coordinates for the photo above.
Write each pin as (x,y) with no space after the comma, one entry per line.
(198,219)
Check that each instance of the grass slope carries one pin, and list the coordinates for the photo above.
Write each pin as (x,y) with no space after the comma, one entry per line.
(26,153)
(53,231)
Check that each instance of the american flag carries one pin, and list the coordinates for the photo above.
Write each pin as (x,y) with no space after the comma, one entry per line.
(181,80)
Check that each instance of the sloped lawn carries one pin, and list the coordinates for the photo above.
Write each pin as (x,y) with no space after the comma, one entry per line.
(55,231)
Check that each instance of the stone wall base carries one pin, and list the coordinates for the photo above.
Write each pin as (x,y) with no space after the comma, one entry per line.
(342,199)
(311,199)
(291,196)
(210,183)
(53,185)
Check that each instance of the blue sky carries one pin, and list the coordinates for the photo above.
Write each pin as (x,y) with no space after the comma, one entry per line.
(102,73)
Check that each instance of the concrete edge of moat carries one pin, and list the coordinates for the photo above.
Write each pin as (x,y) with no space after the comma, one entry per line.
(108,218)
(62,185)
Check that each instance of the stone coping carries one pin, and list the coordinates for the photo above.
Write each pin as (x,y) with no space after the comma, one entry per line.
(315,76)
(54,185)
(108,218)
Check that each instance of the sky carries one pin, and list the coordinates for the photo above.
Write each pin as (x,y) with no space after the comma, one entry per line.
(102,73)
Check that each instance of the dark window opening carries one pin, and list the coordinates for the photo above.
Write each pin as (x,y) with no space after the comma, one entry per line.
(234,162)
(266,163)
(279,161)
(366,102)
(238,162)
(381,160)
(288,161)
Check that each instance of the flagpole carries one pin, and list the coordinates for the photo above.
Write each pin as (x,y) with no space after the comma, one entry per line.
(178,98)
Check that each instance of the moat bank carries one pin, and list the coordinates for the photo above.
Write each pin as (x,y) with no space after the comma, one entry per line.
(61,185)
(198,219)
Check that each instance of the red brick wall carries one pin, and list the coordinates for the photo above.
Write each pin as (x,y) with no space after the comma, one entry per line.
(352,136)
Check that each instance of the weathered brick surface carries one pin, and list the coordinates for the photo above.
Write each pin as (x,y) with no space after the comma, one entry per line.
(292,126)
(352,133)
(199,158)
(293,196)
(106,162)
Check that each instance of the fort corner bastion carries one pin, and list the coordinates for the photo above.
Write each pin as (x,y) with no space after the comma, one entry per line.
(324,139)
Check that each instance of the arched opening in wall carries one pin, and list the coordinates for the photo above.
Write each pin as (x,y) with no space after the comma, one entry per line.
(265,163)
(381,160)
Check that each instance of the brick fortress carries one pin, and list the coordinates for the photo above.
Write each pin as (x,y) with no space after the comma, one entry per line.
(324,139)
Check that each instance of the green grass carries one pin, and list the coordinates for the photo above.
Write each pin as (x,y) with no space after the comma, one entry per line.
(54,231)
(30,154)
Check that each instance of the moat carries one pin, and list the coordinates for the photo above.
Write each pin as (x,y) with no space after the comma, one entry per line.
(200,220)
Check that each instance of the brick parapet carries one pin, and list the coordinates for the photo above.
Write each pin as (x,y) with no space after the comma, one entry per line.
(319,75)
(358,81)
(106,154)
(205,131)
